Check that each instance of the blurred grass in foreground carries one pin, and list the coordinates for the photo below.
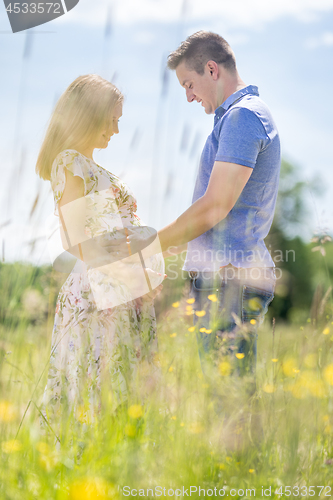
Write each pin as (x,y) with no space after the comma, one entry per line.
(168,434)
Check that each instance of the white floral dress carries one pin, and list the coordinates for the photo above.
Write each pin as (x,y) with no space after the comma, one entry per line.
(97,348)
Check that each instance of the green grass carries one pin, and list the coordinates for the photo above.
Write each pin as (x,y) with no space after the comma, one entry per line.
(282,436)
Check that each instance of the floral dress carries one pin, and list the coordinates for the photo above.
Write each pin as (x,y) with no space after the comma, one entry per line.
(100,337)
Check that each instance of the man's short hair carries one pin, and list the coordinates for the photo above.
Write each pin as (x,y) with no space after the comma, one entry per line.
(201,47)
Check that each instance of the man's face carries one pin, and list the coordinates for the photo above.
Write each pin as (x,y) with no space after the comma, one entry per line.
(200,88)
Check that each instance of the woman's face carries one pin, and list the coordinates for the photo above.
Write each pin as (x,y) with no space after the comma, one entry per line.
(102,141)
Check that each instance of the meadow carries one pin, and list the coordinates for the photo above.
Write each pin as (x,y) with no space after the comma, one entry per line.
(168,440)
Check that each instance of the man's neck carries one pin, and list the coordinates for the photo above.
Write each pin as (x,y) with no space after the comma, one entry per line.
(230,83)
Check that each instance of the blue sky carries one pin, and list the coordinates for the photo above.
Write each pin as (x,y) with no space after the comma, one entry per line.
(284,47)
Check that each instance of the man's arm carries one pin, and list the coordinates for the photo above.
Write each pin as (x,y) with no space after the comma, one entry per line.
(226,183)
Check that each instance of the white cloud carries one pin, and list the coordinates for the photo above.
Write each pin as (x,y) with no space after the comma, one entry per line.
(323,40)
(231,13)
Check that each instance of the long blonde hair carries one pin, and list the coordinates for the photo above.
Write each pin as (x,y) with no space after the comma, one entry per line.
(80,114)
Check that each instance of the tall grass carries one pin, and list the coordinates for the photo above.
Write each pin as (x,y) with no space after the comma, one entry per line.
(169,434)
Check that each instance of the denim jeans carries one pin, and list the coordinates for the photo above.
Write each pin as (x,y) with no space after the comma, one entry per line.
(229,307)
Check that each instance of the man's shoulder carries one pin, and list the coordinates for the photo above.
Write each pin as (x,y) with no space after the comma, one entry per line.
(251,108)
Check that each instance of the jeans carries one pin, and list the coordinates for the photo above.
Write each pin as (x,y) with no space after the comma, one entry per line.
(229,307)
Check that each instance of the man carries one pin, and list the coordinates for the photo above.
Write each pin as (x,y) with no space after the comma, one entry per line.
(231,270)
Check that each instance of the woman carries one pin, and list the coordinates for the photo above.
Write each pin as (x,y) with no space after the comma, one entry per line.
(101,336)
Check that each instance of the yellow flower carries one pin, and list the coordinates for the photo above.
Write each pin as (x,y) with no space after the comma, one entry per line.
(222,466)
(174,418)
(251,471)
(176,304)
(288,366)
(83,415)
(269,388)
(255,304)
(173,335)
(202,330)
(182,424)
(253,321)
(190,301)
(275,360)
(328,374)
(43,448)
(191,329)
(240,355)
(135,411)
(11,446)
(171,368)
(196,428)
(189,313)
(130,430)
(326,331)
(7,411)
(212,297)
(225,368)
(311,360)
(48,462)
(200,313)
(92,489)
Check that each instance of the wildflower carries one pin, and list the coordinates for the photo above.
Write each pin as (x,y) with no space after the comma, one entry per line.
(7,411)
(176,304)
(189,308)
(253,321)
(202,330)
(254,304)
(240,355)
(43,448)
(173,335)
(171,368)
(328,374)
(130,430)
(174,417)
(191,329)
(208,331)
(200,313)
(11,446)
(91,488)
(196,428)
(83,415)
(251,471)
(190,301)
(326,331)
(212,297)
(182,424)
(269,388)
(310,360)
(224,368)
(288,366)
(275,360)
(135,411)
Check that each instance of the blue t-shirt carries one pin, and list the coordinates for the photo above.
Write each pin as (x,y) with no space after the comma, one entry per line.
(244,133)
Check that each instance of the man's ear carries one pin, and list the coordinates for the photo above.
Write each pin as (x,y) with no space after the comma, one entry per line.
(213,69)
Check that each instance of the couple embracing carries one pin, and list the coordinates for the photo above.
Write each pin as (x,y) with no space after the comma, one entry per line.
(102,332)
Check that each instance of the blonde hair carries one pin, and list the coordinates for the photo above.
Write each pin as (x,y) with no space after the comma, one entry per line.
(81,113)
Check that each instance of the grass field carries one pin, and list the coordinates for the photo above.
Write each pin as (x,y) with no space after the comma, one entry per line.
(277,443)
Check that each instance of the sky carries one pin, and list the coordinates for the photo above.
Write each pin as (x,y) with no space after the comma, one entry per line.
(284,47)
